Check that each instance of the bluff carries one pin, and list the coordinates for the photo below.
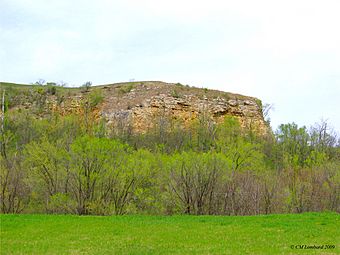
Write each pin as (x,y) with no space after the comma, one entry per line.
(140,103)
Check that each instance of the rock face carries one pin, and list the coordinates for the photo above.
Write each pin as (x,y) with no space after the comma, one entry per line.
(143,102)
(140,104)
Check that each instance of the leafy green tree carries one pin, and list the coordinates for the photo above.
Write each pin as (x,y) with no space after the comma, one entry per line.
(294,144)
(48,162)
(131,175)
(92,158)
(241,153)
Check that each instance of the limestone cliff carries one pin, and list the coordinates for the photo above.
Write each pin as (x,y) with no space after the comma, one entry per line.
(139,103)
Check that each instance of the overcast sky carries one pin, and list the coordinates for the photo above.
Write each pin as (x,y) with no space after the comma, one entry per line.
(287,53)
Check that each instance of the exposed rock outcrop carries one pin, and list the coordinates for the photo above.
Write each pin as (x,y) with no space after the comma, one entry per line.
(138,104)
(147,100)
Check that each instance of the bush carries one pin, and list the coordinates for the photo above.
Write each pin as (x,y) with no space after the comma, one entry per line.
(61,203)
(126,88)
(175,94)
(95,98)
(51,89)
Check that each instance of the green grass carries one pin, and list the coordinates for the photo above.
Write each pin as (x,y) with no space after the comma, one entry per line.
(67,234)
(8,85)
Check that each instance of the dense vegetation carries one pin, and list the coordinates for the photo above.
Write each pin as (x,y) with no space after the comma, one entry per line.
(78,164)
(307,233)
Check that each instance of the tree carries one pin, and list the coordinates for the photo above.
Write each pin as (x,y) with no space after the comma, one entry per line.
(193,180)
(266,109)
(86,86)
(40,82)
(49,162)
(13,188)
(323,139)
(233,143)
(91,160)
(294,143)
(126,173)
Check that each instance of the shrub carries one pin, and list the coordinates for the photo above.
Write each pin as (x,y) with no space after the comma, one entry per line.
(259,103)
(175,94)
(126,88)
(61,203)
(95,98)
(51,89)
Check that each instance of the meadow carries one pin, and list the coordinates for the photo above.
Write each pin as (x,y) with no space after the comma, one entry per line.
(138,234)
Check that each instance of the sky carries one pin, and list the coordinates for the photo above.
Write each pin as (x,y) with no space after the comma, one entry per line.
(287,53)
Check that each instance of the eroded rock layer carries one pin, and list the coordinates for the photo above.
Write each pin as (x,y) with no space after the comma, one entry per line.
(139,104)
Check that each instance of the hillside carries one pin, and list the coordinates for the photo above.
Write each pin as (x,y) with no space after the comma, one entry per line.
(138,104)
(153,148)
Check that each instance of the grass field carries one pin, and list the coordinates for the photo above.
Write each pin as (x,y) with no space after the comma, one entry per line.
(271,234)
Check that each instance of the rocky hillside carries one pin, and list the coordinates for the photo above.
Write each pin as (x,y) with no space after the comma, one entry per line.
(139,103)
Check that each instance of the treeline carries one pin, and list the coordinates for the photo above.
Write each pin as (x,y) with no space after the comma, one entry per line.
(71,164)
